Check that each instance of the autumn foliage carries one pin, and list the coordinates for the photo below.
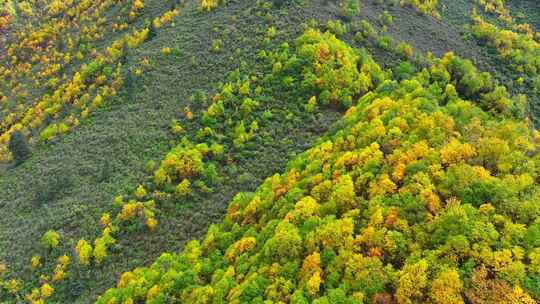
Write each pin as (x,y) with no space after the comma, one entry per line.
(425,194)
(41,96)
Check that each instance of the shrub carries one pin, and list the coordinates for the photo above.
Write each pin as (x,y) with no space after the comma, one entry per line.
(336,27)
(46,290)
(50,239)
(208,5)
(140,193)
(18,146)
(386,18)
(35,262)
(350,9)
(183,188)
(84,252)
(280,3)
(405,50)
(152,31)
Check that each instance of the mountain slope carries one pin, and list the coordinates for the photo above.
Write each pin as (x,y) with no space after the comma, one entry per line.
(123,142)
(412,199)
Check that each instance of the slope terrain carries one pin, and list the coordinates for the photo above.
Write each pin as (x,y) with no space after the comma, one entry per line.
(214,98)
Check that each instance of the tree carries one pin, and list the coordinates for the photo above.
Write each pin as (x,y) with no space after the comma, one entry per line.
(152,32)
(50,239)
(183,188)
(18,146)
(61,266)
(343,195)
(140,192)
(84,251)
(350,9)
(125,52)
(485,290)
(46,290)
(412,282)
(35,262)
(286,242)
(100,250)
(446,288)
(208,5)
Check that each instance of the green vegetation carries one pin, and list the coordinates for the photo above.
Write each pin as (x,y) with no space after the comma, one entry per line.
(424,6)
(18,147)
(42,94)
(416,197)
(205,151)
(520,50)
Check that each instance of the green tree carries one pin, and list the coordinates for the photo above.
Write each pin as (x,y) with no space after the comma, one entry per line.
(18,146)
(50,239)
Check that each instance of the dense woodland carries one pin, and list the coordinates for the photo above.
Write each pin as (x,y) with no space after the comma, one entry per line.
(270,151)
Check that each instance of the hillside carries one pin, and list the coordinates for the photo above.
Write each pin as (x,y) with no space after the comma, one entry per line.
(269,151)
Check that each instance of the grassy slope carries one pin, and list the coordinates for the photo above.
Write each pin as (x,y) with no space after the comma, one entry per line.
(149,12)
(527,11)
(106,154)
(457,13)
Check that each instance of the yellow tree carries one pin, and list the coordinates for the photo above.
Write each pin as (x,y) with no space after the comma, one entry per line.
(412,282)
(208,5)
(446,288)
(84,251)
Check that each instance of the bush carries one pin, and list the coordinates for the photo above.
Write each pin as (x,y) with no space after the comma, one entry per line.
(183,188)
(350,9)
(536,84)
(18,146)
(84,252)
(280,3)
(50,239)
(208,5)
(386,18)
(336,27)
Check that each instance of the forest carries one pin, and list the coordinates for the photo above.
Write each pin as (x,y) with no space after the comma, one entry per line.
(270,151)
